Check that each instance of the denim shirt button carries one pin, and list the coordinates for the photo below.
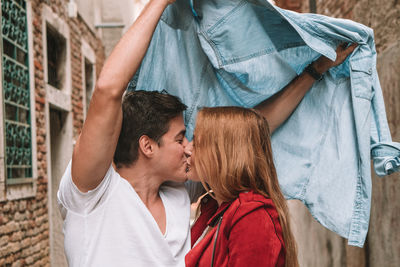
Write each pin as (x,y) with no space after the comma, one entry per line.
(370,71)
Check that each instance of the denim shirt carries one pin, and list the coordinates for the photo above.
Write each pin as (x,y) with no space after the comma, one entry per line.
(241,52)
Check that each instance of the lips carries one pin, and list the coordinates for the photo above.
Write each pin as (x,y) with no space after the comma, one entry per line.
(187,167)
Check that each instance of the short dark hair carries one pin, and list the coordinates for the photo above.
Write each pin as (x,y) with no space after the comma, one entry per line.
(144,113)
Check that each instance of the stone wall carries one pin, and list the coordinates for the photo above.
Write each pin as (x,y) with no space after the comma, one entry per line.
(25,223)
(318,246)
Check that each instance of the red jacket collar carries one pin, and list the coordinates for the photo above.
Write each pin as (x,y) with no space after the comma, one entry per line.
(218,214)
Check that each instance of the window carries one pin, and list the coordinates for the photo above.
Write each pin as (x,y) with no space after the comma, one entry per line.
(56,57)
(16,92)
(88,82)
(88,73)
(313,6)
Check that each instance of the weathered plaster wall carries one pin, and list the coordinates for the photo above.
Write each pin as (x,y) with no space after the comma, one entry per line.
(123,12)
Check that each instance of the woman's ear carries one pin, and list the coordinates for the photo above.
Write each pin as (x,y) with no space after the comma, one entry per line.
(146,146)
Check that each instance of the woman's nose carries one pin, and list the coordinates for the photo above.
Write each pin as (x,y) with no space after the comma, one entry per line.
(189,149)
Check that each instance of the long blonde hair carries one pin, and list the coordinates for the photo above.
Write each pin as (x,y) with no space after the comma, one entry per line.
(233,153)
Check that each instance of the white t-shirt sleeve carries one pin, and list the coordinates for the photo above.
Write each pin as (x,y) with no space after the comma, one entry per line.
(72,199)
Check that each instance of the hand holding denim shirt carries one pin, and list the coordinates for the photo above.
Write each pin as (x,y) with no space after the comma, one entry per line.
(240,52)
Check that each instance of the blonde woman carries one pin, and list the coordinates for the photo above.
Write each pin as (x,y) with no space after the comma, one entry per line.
(244,220)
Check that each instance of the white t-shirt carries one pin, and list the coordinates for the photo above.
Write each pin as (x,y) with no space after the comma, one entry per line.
(111,226)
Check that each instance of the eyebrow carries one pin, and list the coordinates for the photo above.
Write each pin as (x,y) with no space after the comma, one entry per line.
(183,132)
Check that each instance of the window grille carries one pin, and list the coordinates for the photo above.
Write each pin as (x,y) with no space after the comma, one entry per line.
(56,57)
(16,92)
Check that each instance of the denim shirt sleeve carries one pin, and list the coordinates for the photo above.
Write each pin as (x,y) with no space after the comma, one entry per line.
(384,152)
(386,157)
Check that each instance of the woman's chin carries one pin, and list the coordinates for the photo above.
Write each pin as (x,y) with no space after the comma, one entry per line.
(191,175)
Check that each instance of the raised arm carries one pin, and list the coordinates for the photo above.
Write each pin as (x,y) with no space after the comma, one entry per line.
(96,145)
(280,106)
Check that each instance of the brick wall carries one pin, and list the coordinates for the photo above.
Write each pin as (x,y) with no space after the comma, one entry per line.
(24,224)
(295,5)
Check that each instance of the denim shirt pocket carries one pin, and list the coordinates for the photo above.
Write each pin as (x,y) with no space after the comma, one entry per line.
(361,74)
(246,32)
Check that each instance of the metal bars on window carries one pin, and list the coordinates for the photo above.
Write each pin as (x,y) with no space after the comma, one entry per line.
(16,93)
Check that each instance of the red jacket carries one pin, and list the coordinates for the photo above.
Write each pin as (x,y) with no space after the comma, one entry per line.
(249,233)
